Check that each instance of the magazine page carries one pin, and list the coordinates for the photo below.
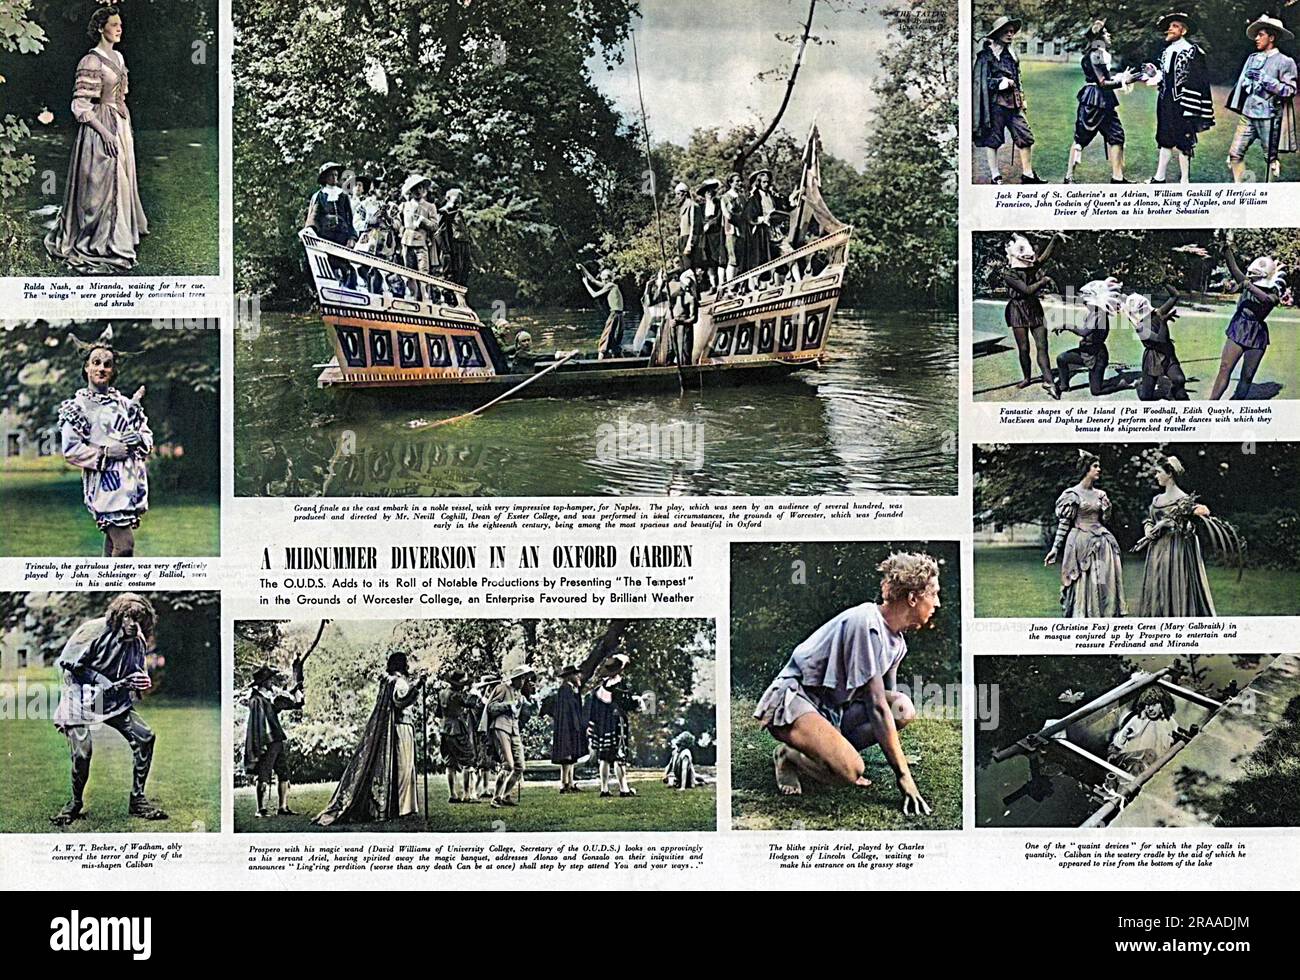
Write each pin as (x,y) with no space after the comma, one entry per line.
(768,444)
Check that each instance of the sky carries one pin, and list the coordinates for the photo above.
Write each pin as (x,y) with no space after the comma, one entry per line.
(698,70)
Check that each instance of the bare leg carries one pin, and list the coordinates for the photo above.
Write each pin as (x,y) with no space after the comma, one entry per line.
(829,756)
(1249,365)
(1232,352)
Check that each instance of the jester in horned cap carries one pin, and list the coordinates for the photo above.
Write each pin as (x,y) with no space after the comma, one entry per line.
(1263,98)
(1000,101)
(1184,108)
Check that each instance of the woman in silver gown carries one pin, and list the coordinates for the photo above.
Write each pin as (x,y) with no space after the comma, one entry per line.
(1092,578)
(102,220)
(1174,582)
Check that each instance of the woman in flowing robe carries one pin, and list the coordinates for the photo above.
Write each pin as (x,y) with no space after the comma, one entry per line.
(379,781)
(1174,582)
(1092,577)
(102,221)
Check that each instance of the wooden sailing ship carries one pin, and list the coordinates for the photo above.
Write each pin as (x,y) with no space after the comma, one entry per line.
(769,321)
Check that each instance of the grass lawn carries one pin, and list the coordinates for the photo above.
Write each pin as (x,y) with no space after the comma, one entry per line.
(45,517)
(185,780)
(656,807)
(756,804)
(178,174)
(1198,335)
(1012,583)
(1050,91)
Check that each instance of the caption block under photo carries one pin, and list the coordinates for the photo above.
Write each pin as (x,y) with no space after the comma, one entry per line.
(475,726)
(1141,741)
(846,685)
(110,712)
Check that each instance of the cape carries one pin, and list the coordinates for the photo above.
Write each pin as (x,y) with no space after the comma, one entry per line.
(367,788)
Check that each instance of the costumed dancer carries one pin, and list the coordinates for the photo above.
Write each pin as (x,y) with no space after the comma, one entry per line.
(379,780)
(1000,101)
(107,436)
(1101,299)
(607,727)
(1092,574)
(1264,98)
(264,736)
(1025,282)
(838,692)
(1098,111)
(1159,358)
(568,734)
(1262,285)
(104,674)
(1184,107)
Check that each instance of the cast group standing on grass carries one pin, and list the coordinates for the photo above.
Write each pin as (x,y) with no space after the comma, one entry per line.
(1184,103)
(1174,580)
(1263,287)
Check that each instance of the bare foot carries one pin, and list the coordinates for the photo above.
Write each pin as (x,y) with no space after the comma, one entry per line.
(1025,384)
(863,781)
(787,775)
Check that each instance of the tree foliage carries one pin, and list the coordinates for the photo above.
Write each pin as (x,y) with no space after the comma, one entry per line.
(781,594)
(1253,486)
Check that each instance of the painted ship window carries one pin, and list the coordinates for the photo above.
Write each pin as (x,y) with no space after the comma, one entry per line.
(352,344)
(789,335)
(381,348)
(408,350)
(812,330)
(439,352)
(468,354)
(722,340)
(766,336)
(744,339)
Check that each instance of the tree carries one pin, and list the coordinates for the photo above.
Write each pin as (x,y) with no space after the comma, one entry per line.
(781,593)
(495,98)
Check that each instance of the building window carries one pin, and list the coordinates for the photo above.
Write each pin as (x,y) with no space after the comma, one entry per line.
(1039,47)
(1024,47)
(23,657)
(1056,48)
(13,444)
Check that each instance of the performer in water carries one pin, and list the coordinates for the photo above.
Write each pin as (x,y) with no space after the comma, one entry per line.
(1247,340)
(1146,733)
(837,694)
(1098,111)
(1025,281)
(1092,575)
(106,435)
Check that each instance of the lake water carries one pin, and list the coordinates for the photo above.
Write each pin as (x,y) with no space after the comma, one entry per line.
(880,417)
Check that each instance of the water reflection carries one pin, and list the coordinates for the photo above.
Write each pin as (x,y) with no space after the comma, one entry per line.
(879,417)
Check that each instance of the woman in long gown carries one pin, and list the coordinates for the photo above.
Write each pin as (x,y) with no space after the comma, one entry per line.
(379,781)
(102,220)
(106,435)
(1092,577)
(1174,582)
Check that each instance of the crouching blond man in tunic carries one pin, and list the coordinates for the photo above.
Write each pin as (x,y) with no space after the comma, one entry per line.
(837,693)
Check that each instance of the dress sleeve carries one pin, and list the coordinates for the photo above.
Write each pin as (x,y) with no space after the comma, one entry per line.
(89,84)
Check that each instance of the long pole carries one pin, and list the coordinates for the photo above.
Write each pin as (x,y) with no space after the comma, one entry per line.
(650,167)
(500,398)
